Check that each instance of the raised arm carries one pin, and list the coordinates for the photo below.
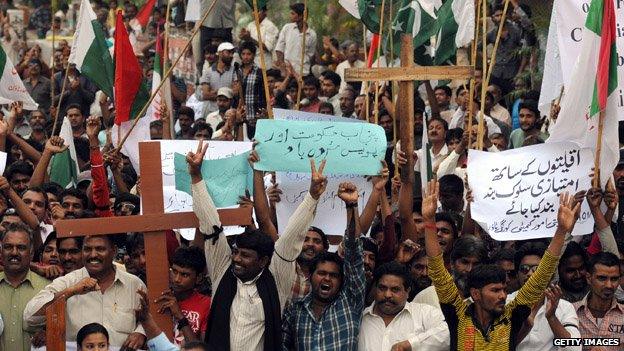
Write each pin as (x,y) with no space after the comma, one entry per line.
(99,186)
(406,202)
(607,240)
(23,211)
(355,277)
(379,191)
(261,203)
(53,146)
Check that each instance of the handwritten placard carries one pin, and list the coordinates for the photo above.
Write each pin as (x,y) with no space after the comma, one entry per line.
(350,148)
(516,192)
(331,214)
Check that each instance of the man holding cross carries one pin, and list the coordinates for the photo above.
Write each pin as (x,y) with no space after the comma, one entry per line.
(253,280)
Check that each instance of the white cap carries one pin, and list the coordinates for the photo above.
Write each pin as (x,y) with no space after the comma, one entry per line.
(225,91)
(225,46)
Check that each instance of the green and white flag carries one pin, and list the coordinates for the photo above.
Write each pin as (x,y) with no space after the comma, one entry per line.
(426,169)
(11,86)
(64,166)
(455,28)
(89,50)
(412,18)
(595,82)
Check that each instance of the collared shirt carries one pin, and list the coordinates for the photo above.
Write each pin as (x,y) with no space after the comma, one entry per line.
(436,159)
(422,325)
(289,42)
(337,327)
(342,67)
(609,326)
(458,122)
(215,80)
(254,92)
(466,334)
(517,137)
(222,15)
(213,119)
(301,287)
(40,91)
(247,313)
(16,335)
(114,308)
(269,38)
(161,343)
(540,338)
(507,58)
(335,101)
(501,114)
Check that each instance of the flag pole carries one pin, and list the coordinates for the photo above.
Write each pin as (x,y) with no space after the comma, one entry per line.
(165,59)
(381,22)
(473,62)
(267,95)
(165,77)
(395,86)
(596,180)
(481,130)
(52,61)
(495,48)
(58,106)
(303,43)
(367,100)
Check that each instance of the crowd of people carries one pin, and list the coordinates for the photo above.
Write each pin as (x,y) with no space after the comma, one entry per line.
(425,277)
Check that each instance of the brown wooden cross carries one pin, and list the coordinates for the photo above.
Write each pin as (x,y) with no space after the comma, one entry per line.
(152,223)
(405,75)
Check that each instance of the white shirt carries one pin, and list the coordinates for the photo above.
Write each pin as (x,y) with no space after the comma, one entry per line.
(269,38)
(340,70)
(289,43)
(247,313)
(436,159)
(540,338)
(213,119)
(422,325)
(501,114)
(449,165)
(458,122)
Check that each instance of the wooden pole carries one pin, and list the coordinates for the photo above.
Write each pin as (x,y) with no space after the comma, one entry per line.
(52,61)
(55,325)
(481,131)
(495,48)
(365,83)
(165,64)
(473,62)
(395,88)
(265,82)
(58,106)
(405,110)
(596,180)
(165,77)
(303,51)
(381,21)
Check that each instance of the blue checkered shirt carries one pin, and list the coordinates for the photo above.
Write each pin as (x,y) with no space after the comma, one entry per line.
(254,92)
(339,325)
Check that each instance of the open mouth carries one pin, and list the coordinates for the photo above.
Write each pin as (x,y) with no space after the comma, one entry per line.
(325,288)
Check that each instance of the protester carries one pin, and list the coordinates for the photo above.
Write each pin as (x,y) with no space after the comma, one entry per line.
(288,47)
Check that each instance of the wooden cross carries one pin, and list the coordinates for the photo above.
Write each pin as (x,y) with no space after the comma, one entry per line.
(152,223)
(405,75)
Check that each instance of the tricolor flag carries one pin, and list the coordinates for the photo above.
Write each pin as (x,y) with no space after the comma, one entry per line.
(64,166)
(89,51)
(417,18)
(142,18)
(164,95)
(11,86)
(455,29)
(426,168)
(131,93)
(595,81)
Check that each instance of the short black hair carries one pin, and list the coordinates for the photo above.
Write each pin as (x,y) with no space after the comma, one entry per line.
(369,245)
(503,254)
(77,194)
(275,73)
(91,328)
(257,241)
(247,45)
(327,256)
(18,167)
(312,80)
(81,145)
(485,274)
(469,245)
(459,90)
(393,268)
(604,258)
(333,76)
(446,217)
(78,239)
(53,188)
(326,104)
(531,105)
(446,89)
(320,232)
(191,345)
(187,111)
(451,184)
(202,126)
(454,133)
(38,189)
(134,241)
(573,249)
(74,105)
(442,121)
(128,197)
(22,228)
(190,257)
(532,248)
(298,8)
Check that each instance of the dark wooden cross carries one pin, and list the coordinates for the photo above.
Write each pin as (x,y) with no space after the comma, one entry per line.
(405,75)
(152,223)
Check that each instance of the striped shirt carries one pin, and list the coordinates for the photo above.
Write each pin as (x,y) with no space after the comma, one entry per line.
(609,326)
(460,315)
(338,326)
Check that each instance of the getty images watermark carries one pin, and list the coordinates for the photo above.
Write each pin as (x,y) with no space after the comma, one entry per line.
(586,342)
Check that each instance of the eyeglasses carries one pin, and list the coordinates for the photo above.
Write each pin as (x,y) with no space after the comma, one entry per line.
(126,207)
(526,268)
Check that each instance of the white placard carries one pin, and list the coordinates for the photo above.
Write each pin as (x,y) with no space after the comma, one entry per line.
(516,191)
(331,214)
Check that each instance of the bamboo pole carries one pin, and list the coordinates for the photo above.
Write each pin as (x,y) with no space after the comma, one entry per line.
(495,48)
(165,63)
(473,62)
(52,61)
(265,82)
(395,89)
(58,106)
(481,130)
(166,76)
(303,44)
(381,22)
(365,83)
(596,180)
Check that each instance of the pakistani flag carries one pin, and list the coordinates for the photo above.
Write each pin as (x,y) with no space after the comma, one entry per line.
(89,50)
(412,18)
(455,29)
(64,166)
(366,11)
(426,168)
(11,86)
(595,77)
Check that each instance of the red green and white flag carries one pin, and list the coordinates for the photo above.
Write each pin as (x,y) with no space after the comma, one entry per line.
(595,77)
(89,51)
(131,93)
(164,95)
(142,18)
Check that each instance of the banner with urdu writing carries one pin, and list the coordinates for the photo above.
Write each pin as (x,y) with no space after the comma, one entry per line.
(516,192)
